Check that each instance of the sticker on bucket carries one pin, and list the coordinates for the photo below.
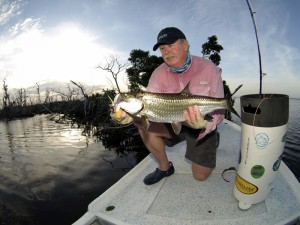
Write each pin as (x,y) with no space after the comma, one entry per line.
(262,140)
(245,186)
(257,171)
(277,163)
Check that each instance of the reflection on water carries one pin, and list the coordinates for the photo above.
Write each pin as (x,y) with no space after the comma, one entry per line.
(50,171)
(40,144)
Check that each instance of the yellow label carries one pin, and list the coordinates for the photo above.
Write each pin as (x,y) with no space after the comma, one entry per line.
(245,186)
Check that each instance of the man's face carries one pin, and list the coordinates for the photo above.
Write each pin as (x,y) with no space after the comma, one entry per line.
(175,54)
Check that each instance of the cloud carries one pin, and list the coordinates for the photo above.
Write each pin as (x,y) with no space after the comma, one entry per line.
(8,10)
(28,24)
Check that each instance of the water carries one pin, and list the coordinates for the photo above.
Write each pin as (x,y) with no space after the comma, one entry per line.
(50,172)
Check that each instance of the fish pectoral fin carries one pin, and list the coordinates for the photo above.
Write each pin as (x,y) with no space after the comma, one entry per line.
(145,122)
(176,126)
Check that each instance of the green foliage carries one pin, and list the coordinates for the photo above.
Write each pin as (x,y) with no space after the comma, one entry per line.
(142,66)
(227,93)
(211,50)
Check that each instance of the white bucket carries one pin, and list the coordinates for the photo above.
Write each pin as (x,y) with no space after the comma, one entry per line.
(262,143)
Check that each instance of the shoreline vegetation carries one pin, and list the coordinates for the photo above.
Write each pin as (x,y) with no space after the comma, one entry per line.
(91,113)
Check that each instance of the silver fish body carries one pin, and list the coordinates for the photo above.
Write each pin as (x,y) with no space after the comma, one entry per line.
(169,108)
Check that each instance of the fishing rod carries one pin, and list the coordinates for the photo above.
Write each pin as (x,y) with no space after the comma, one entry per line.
(259,55)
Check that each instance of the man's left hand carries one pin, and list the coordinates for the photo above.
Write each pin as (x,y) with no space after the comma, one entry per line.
(194,118)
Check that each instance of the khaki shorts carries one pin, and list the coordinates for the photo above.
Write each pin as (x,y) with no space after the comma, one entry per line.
(202,152)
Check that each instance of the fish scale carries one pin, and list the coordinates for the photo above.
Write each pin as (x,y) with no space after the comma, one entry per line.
(168,108)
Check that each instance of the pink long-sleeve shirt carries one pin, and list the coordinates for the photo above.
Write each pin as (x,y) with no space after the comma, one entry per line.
(203,77)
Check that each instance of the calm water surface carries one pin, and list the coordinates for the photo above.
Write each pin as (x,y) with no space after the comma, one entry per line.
(50,172)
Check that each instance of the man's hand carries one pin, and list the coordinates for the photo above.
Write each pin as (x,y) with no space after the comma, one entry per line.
(193,118)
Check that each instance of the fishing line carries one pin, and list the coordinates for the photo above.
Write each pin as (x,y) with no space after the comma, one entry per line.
(228,169)
(255,118)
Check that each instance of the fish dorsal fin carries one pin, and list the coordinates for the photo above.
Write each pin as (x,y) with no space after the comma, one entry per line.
(238,88)
(186,90)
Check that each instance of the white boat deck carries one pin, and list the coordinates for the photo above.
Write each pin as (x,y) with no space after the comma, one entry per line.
(179,199)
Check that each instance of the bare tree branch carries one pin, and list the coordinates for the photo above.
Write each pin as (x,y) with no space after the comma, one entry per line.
(86,97)
(114,67)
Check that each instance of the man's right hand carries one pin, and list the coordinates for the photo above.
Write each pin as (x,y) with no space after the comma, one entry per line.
(194,118)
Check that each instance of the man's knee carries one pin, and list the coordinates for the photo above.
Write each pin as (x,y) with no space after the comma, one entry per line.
(201,173)
(201,176)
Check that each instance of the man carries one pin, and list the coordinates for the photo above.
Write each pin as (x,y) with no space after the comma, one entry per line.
(203,78)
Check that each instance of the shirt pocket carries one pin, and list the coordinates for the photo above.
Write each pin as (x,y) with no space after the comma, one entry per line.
(200,90)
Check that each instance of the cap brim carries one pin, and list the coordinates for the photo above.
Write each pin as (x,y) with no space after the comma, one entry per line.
(155,47)
(165,42)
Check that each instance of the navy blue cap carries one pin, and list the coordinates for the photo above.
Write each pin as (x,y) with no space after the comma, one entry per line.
(168,35)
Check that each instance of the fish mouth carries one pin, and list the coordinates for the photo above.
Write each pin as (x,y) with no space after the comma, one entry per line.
(116,112)
(118,117)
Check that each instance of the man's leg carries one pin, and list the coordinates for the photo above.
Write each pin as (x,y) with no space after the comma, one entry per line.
(200,172)
(153,139)
(202,153)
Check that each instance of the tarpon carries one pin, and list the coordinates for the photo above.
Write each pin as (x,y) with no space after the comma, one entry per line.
(165,107)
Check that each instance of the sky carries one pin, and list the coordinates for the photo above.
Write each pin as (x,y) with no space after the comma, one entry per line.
(61,40)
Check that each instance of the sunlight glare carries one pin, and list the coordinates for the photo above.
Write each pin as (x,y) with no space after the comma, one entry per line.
(66,53)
